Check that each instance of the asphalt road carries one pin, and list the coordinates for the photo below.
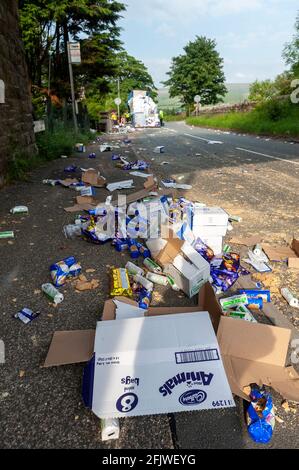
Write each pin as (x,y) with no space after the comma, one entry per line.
(42,408)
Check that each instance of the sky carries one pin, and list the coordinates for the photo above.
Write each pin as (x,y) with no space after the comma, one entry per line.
(250,34)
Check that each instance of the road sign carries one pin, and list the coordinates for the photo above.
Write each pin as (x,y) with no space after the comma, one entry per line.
(75,52)
(118,101)
(197,99)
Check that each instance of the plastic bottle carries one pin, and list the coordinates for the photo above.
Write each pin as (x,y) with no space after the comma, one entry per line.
(152,266)
(133,249)
(290,298)
(145,299)
(110,429)
(157,279)
(53,293)
(72,231)
(149,286)
(145,252)
(134,270)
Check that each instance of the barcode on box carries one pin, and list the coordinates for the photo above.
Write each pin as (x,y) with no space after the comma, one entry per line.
(204,355)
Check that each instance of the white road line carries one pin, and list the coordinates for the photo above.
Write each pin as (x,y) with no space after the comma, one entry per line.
(209,141)
(196,137)
(268,156)
(171,130)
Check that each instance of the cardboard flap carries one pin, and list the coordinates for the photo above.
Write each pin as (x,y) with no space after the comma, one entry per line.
(170,252)
(279,253)
(70,347)
(295,246)
(241,373)
(150,183)
(93,178)
(254,342)
(207,300)
(86,200)
(79,208)
(109,312)
(68,182)
(157,311)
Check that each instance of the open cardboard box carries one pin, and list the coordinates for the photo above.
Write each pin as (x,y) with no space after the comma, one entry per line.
(93,178)
(251,353)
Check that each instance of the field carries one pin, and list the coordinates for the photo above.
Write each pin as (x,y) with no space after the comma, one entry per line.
(237,92)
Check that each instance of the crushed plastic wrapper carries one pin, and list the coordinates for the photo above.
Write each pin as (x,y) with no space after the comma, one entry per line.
(260,417)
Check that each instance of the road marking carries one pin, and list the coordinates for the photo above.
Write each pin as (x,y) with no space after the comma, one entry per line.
(209,141)
(268,156)
(171,130)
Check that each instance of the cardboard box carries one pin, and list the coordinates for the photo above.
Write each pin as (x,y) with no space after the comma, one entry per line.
(156,365)
(215,243)
(256,353)
(207,231)
(93,178)
(210,216)
(251,353)
(190,271)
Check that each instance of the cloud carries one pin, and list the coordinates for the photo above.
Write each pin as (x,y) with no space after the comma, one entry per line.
(189,10)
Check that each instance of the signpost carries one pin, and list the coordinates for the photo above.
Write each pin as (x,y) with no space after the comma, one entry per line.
(118,102)
(74,57)
(197,100)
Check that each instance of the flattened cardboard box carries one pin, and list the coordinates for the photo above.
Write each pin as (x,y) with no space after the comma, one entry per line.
(256,353)
(156,365)
(68,347)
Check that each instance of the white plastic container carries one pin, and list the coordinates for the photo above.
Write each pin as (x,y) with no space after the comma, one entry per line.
(110,429)
(290,298)
(52,293)
(134,270)
(149,286)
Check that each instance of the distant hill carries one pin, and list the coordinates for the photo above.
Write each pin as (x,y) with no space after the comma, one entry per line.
(237,92)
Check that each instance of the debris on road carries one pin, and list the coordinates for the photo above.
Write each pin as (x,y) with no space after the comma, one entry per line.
(261,417)
(19,210)
(26,315)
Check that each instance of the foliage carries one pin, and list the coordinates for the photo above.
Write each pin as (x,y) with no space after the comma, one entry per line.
(291,51)
(132,74)
(279,119)
(262,91)
(47,26)
(197,72)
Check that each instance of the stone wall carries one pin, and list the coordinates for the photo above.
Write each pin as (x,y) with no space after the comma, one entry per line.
(16,122)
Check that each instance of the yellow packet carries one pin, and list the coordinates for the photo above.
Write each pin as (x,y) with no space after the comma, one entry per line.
(121,283)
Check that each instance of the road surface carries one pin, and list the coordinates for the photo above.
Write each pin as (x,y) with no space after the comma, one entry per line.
(42,408)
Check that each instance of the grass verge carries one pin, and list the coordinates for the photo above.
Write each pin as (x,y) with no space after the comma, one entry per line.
(175,117)
(273,118)
(50,146)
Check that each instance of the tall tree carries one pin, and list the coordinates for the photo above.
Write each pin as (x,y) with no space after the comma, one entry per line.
(48,25)
(132,75)
(197,72)
(291,50)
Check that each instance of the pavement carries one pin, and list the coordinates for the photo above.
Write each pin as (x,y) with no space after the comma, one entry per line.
(255,178)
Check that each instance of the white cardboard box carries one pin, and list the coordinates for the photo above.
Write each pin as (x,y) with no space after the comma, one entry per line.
(209,231)
(210,216)
(193,273)
(157,365)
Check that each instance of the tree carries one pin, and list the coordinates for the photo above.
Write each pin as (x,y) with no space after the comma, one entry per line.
(197,72)
(132,74)
(48,25)
(263,91)
(291,50)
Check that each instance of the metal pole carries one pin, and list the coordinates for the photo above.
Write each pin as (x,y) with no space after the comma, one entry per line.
(49,81)
(118,106)
(72,88)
